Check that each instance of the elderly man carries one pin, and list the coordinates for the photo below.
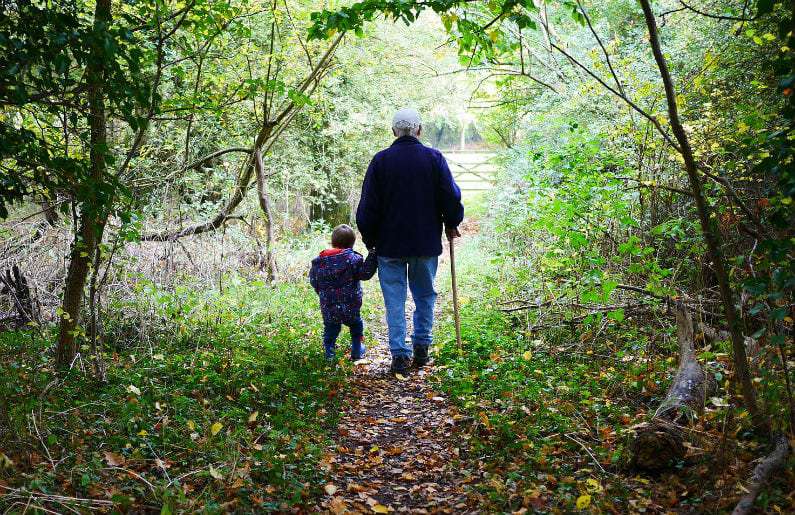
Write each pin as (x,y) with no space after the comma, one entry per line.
(407,196)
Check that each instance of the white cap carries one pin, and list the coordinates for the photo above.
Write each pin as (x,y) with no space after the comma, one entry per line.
(407,119)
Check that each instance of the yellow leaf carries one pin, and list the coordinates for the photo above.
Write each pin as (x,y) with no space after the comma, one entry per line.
(593,486)
(134,389)
(142,432)
(379,508)
(401,377)
(583,502)
(191,425)
(527,355)
(216,428)
(253,417)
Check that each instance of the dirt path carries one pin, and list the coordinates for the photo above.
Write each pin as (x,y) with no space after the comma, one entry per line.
(395,450)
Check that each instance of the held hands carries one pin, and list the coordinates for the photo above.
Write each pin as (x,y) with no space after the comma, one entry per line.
(452,232)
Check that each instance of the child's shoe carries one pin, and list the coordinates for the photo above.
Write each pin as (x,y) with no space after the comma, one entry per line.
(358,350)
(330,352)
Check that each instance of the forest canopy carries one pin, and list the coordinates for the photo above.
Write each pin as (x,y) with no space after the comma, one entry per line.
(168,169)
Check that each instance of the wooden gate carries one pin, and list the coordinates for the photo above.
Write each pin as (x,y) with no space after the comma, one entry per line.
(473,170)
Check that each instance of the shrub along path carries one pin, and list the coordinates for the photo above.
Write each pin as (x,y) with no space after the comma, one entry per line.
(395,449)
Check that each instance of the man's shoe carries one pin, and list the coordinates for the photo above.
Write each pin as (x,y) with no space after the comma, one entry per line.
(421,357)
(400,365)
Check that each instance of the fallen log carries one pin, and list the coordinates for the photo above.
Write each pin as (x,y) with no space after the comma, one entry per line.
(762,473)
(660,442)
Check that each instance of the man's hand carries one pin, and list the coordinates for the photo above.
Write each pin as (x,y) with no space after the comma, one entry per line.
(452,232)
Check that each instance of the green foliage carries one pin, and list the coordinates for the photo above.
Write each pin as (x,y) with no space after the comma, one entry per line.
(45,54)
(228,391)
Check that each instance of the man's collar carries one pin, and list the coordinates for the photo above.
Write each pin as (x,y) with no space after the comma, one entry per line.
(406,140)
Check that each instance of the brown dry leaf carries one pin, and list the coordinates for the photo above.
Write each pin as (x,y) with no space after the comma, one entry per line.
(337,506)
(354,487)
(113,459)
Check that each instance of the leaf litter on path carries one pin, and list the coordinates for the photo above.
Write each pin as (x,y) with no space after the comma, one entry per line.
(394,451)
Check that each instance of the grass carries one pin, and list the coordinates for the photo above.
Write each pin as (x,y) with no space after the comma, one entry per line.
(213,402)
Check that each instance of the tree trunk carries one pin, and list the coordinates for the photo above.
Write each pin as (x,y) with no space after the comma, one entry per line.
(92,211)
(660,442)
(741,369)
(265,204)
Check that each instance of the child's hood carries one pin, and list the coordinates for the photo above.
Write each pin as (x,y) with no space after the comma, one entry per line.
(332,252)
(335,255)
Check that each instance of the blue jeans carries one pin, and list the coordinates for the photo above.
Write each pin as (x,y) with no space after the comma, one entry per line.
(418,273)
(331,330)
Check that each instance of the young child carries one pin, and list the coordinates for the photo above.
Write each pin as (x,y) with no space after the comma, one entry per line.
(335,276)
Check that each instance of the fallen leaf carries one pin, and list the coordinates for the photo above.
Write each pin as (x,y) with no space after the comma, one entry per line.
(253,417)
(217,475)
(134,389)
(379,508)
(583,501)
(5,461)
(330,489)
(112,459)
(402,378)
(527,355)
(216,428)
(593,486)
(337,506)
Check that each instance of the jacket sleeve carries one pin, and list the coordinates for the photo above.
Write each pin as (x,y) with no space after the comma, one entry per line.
(449,195)
(313,276)
(368,213)
(367,267)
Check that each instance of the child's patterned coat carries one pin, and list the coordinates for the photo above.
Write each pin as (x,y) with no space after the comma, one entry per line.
(335,276)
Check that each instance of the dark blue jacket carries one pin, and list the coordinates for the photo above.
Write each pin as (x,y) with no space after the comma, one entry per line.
(335,276)
(408,193)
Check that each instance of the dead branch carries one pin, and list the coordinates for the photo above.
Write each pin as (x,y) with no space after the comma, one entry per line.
(762,473)
(16,286)
(269,132)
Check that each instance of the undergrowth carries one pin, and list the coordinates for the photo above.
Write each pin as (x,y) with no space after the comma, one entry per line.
(214,402)
(546,416)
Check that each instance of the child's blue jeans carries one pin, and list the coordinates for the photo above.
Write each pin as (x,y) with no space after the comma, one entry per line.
(332,329)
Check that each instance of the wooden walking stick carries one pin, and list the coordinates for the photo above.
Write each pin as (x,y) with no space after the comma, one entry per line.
(451,240)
